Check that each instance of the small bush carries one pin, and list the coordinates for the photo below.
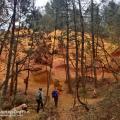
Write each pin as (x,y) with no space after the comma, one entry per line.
(20,100)
(107,109)
(6,106)
(43,116)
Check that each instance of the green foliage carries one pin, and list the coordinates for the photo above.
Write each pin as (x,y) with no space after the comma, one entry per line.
(52,18)
(34,19)
(96,17)
(108,109)
(20,100)
(43,116)
(112,18)
(25,5)
(6,106)
(47,23)
(56,9)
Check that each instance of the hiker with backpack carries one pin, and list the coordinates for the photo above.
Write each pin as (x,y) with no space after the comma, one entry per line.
(55,95)
(39,99)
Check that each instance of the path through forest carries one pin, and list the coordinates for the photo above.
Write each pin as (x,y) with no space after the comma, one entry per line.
(64,110)
(66,101)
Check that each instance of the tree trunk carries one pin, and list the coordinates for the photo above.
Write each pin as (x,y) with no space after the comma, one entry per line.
(76,40)
(13,64)
(5,36)
(16,83)
(67,51)
(5,87)
(93,44)
(28,72)
(49,74)
(82,47)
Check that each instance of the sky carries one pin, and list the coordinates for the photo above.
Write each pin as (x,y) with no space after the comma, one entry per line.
(40,3)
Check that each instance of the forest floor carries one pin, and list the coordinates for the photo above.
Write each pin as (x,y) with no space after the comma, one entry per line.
(65,110)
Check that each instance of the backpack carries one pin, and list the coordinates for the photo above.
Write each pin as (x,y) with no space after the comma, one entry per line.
(39,96)
(54,94)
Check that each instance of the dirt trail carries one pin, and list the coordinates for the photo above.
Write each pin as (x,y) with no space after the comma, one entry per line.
(65,99)
(63,110)
(66,104)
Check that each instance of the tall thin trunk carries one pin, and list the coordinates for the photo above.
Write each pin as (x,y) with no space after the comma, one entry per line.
(28,75)
(82,59)
(16,79)
(5,87)
(93,44)
(49,75)
(82,47)
(16,83)
(13,63)
(12,68)
(28,71)
(76,40)
(97,26)
(5,37)
(67,51)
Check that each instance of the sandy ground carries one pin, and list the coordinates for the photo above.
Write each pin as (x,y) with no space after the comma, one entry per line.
(39,79)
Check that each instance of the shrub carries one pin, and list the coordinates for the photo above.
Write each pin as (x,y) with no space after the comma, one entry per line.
(6,106)
(20,100)
(108,109)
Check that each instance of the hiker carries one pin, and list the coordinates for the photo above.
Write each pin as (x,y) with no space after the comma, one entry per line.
(39,99)
(55,95)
